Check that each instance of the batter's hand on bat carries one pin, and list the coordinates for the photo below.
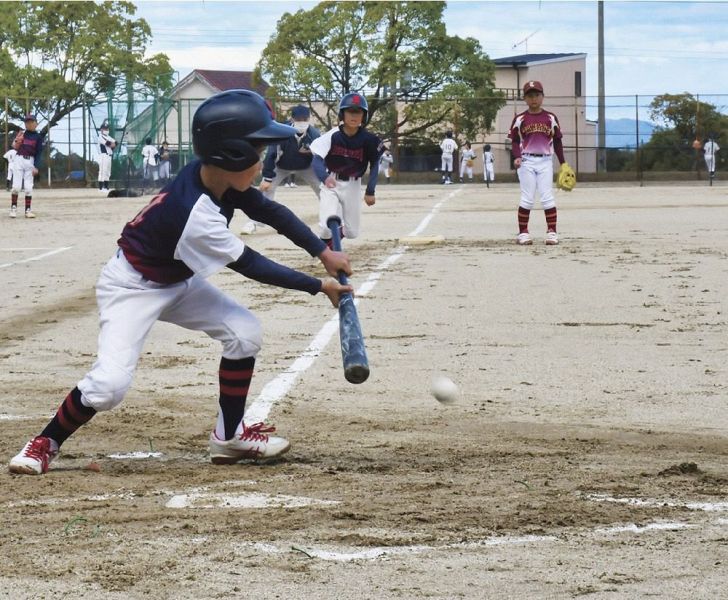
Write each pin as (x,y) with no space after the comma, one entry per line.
(333,289)
(334,262)
(330,182)
(369,199)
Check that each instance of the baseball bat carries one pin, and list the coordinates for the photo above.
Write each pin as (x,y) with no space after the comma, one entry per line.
(353,351)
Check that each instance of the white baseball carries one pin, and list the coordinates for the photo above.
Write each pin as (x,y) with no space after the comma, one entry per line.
(444,389)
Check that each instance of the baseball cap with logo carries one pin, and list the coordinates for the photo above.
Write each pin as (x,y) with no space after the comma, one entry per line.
(30,117)
(300,112)
(532,85)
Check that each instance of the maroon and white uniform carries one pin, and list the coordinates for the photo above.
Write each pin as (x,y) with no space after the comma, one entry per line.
(535,139)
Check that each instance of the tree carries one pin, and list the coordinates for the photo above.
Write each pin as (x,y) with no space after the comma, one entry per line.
(57,56)
(397,53)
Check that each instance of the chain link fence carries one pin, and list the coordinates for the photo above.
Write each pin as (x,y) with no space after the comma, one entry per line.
(635,147)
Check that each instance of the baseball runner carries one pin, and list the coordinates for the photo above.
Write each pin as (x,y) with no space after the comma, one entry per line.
(467,160)
(106,150)
(536,136)
(709,151)
(488,165)
(291,157)
(340,158)
(159,273)
(448,147)
(29,146)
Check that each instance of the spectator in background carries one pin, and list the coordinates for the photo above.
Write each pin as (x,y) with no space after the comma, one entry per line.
(164,165)
(150,161)
(385,164)
(106,151)
(709,151)
(9,156)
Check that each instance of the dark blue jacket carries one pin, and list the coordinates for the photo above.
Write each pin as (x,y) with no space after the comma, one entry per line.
(287,155)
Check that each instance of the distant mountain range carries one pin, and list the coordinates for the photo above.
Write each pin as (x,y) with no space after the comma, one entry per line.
(621,133)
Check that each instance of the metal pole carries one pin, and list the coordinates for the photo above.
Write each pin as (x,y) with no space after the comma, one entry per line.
(601,166)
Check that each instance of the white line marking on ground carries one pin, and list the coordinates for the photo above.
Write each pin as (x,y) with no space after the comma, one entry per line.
(277,388)
(38,257)
(656,503)
(136,455)
(246,500)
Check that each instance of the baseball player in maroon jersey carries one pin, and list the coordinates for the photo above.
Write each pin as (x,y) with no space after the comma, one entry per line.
(159,273)
(29,147)
(340,158)
(536,137)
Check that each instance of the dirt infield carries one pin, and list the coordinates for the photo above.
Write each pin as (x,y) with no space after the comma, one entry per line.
(586,456)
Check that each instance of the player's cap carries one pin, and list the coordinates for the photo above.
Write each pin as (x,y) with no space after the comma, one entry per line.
(30,117)
(300,112)
(532,85)
(104,125)
(354,100)
(229,128)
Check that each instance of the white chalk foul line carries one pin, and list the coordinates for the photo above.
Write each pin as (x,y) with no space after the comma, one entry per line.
(277,388)
(38,257)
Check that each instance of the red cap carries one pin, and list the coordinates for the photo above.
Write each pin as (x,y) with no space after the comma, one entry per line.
(532,85)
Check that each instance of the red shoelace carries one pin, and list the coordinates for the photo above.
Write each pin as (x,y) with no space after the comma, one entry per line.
(257,432)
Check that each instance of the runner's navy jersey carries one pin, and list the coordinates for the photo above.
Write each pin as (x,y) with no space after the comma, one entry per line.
(184,230)
(349,156)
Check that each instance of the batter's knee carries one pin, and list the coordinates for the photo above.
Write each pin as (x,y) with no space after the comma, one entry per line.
(105,386)
(548,200)
(526,203)
(243,336)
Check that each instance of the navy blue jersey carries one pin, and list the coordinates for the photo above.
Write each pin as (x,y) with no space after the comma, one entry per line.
(184,230)
(292,154)
(31,146)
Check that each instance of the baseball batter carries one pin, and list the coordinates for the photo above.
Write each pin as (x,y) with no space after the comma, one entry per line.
(159,273)
(340,158)
(448,147)
(29,146)
(106,150)
(536,136)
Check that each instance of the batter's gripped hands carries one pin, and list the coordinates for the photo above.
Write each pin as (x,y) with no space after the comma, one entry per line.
(333,289)
(264,186)
(330,182)
(334,262)
(370,199)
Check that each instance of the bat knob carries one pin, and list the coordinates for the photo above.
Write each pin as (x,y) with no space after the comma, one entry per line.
(356,373)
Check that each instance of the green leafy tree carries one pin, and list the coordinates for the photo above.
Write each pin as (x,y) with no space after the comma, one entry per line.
(683,118)
(57,56)
(418,80)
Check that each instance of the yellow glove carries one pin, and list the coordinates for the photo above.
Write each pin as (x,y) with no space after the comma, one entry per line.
(566,179)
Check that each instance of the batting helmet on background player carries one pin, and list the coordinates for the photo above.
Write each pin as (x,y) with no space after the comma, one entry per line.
(354,100)
(229,129)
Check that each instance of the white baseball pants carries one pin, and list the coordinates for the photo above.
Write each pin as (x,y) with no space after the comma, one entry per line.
(104,167)
(23,174)
(710,162)
(536,175)
(464,168)
(489,174)
(446,163)
(129,305)
(343,201)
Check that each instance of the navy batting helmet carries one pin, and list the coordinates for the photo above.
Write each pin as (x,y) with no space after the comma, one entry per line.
(354,100)
(229,128)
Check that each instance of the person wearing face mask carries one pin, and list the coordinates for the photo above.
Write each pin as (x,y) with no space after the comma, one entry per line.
(290,157)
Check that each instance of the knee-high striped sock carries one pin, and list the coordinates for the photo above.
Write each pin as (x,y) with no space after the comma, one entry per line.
(28,200)
(523,215)
(69,417)
(235,376)
(550,214)
(13,199)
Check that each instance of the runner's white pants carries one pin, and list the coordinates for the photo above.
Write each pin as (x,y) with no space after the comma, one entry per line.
(343,201)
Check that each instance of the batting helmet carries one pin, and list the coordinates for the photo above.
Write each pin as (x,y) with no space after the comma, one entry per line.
(354,100)
(229,128)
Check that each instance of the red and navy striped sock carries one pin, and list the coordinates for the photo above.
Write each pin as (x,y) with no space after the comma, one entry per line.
(550,214)
(69,417)
(235,376)
(28,200)
(13,199)
(523,215)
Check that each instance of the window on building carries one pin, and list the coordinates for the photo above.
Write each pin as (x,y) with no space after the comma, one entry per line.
(577,84)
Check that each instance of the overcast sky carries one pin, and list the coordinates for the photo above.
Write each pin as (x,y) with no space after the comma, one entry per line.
(651,47)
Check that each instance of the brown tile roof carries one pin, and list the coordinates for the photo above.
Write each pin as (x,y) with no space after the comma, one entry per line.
(230,80)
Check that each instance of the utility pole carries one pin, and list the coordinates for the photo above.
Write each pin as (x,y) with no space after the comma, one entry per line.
(602,142)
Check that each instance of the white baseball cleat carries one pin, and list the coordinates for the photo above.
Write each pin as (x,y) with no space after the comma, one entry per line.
(29,214)
(13,212)
(524,239)
(35,457)
(551,238)
(252,443)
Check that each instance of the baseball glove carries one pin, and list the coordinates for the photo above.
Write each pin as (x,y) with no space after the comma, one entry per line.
(566,179)
(469,163)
